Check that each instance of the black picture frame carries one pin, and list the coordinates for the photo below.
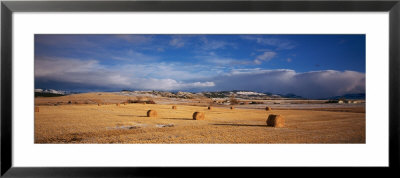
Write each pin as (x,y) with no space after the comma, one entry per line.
(8,7)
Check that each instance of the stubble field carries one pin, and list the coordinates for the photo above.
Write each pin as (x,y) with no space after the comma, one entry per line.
(89,123)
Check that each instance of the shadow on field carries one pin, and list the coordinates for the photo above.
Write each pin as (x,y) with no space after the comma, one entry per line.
(242,125)
(131,116)
(179,118)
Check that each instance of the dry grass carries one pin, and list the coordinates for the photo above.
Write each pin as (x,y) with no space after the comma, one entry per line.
(88,123)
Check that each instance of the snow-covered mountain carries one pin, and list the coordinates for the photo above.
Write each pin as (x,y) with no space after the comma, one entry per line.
(60,92)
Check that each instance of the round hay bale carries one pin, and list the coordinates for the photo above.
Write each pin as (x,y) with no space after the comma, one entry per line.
(174,107)
(98,104)
(209,107)
(36,109)
(232,107)
(275,121)
(199,116)
(151,113)
(117,104)
(268,108)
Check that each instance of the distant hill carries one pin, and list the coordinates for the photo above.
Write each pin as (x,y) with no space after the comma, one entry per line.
(39,94)
(240,94)
(357,96)
(49,93)
(291,95)
(216,94)
(237,93)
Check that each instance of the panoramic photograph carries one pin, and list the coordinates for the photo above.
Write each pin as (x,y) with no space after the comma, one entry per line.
(199,88)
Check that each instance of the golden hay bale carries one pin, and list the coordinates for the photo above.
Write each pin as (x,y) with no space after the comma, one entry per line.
(151,113)
(268,108)
(36,109)
(209,107)
(117,104)
(199,116)
(232,107)
(98,104)
(275,121)
(174,107)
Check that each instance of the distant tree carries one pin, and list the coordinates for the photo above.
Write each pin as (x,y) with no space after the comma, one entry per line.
(39,94)
(233,100)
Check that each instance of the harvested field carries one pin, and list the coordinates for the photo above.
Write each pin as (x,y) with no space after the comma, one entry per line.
(89,123)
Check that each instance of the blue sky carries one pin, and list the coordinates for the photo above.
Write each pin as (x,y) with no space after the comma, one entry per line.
(307,65)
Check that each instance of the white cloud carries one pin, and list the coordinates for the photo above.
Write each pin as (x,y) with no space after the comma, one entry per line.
(214,44)
(213,58)
(178,76)
(266,56)
(177,42)
(176,71)
(91,73)
(315,84)
(88,72)
(132,56)
(169,84)
(270,41)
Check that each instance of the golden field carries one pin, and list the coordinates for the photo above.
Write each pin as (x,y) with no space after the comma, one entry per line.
(83,121)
